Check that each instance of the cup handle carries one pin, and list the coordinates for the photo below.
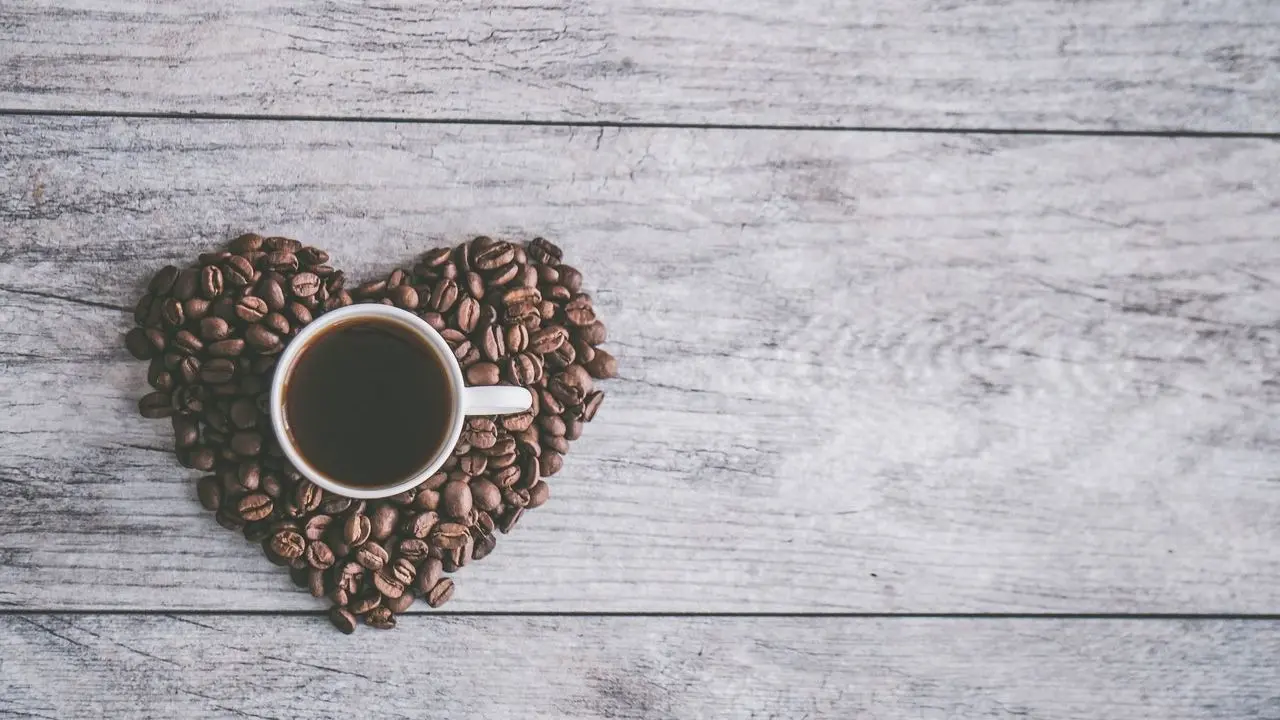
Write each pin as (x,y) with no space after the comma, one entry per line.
(495,400)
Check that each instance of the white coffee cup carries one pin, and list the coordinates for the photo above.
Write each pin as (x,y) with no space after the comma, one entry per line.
(492,400)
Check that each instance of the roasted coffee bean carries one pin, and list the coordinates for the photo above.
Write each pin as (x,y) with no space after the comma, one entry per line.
(485,495)
(538,494)
(548,339)
(387,584)
(251,308)
(281,261)
(186,433)
(272,292)
(366,602)
(246,443)
(550,463)
(276,323)
(316,583)
(262,339)
(210,282)
(509,519)
(273,244)
(557,443)
(570,278)
(404,296)
(591,404)
(448,535)
(542,250)
(582,352)
(602,365)
(171,313)
(186,342)
(247,242)
(455,499)
(413,549)
(398,605)
(516,338)
(403,571)
(579,311)
(468,314)
(342,619)
(443,296)
(304,285)
(317,526)
(381,618)
(505,477)
(492,256)
(238,272)
(243,412)
(484,545)
(592,334)
(572,428)
(319,556)
(229,348)
(255,507)
(213,329)
(485,373)
(218,371)
(473,463)
(420,526)
(307,496)
(300,314)
(288,544)
(138,345)
(258,532)
(185,285)
(524,369)
(155,405)
(429,573)
(210,492)
(383,522)
(356,530)
(162,281)
(436,257)
(142,309)
(518,422)
(440,593)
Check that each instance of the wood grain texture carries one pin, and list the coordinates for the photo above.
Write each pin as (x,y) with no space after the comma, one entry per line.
(867,372)
(1105,64)
(182,666)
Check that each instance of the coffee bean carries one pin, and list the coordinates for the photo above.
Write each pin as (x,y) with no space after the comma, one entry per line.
(505,477)
(281,261)
(455,499)
(262,339)
(591,404)
(524,369)
(162,281)
(448,535)
(387,584)
(316,583)
(196,309)
(251,309)
(602,366)
(381,618)
(186,342)
(492,256)
(426,500)
(473,463)
(509,519)
(238,272)
(383,522)
(366,602)
(255,507)
(572,428)
(485,495)
(557,443)
(300,314)
(485,373)
(304,285)
(186,432)
(542,250)
(518,422)
(550,463)
(342,619)
(436,257)
(440,593)
(443,296)
(218,371)
(414,549)
(138,345)
(317,526)
(319,556)
(404,296)
(420,525)
(273,244)
(538,494)
(548,339)
(155,405)
(210,492)
(307,496)
(214,329)
(210,282)
(468,314)
(247,242)
(579,311)
(229,348)
(356,530)
(288,544)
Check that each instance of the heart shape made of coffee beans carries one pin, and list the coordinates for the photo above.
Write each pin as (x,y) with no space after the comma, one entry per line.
(512,313)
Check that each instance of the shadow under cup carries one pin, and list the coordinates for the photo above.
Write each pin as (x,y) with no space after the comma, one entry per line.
(368,403)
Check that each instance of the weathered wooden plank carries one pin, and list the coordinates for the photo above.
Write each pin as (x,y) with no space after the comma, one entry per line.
(872,372)
(1107,64)
(57,666)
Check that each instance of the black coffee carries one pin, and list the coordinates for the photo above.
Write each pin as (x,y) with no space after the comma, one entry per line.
(368,403)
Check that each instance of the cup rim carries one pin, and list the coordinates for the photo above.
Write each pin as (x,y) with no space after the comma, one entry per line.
(353,313)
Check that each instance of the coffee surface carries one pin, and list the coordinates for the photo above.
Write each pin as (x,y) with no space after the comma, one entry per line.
(368,403)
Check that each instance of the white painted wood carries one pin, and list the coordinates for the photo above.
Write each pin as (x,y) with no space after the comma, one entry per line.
(582,667)
(869,372)
(1104,64)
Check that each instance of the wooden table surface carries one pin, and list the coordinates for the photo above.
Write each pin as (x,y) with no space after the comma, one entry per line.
(949,338)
